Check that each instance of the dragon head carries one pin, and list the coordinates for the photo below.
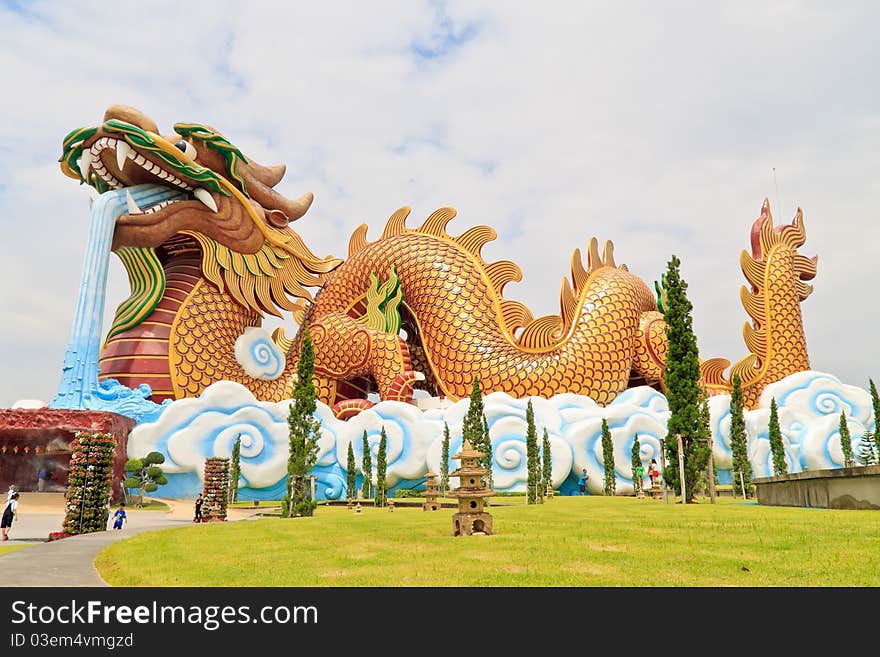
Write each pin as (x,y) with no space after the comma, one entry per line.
(231,211)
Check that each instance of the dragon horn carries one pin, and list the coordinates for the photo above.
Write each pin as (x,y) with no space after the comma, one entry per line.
(269,176)
(271,200)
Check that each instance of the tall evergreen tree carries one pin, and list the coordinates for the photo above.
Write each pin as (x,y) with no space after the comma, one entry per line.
(867,450)
(739,446)
(846,442)
(681,379)
(636,462)
(472,428)
(609,480)
(444,460)
(780,467)
(351,471)
(875,403)
(532,475)
(706,438)
(476,429)
(367,469)
(304,434)
(235,469)
(546,462)
(381,493)
(486,461)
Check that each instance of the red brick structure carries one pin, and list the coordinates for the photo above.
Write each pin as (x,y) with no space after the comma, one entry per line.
(31,439)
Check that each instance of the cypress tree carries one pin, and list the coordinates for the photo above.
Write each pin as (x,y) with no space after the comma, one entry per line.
(532,476)
(706,437)
(875,403)
(867,452)
(444,460)
(739,446)
(636,463)
(609,480)
(846,442)
(472,429)
(681,378)
(351,471)
(367,468)
(304,434)
(486,461)
(547,462)
(235,469)
(780,467)
(381,493)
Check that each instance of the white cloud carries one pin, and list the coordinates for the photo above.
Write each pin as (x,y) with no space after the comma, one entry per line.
(656,127)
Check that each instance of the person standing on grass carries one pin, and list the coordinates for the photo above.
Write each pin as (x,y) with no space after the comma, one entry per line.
(653,472)
(640,476)
(582,481)
(119,517)
(199,502)
(9,514)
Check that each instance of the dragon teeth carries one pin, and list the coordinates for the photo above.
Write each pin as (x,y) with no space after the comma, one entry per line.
(85,164)
(205,197)
(132,206)
(91,161)
(158,207)
(123,152)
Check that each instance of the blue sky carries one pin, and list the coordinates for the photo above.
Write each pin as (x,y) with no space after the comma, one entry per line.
(657,127)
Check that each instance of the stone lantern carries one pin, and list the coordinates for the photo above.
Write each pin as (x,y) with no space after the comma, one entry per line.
(471,518)
(431,493)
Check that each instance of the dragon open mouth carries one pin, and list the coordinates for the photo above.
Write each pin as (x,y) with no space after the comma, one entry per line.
(111,162)
(126,151)
(221,207)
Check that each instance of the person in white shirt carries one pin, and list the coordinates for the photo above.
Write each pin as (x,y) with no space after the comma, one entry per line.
(9,513)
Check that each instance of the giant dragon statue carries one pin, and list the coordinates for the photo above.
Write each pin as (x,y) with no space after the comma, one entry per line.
(415,308)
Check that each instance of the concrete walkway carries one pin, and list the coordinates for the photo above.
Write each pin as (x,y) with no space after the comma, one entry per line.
(70,561)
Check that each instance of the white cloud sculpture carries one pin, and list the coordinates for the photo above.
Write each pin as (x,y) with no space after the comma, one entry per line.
(257,353)
(190,430)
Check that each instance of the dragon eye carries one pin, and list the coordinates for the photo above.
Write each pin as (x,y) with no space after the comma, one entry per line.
(187,148)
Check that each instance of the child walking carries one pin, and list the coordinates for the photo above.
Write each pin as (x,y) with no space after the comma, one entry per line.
(119,517)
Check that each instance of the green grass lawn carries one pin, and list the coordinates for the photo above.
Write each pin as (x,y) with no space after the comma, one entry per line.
(570,541)
(250,504)
(149,505)
(5,549)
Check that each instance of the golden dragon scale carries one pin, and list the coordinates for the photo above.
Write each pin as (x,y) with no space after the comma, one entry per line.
(466,329)
(207,267)
(775,338)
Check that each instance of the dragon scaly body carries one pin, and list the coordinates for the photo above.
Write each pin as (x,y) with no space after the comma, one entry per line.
(462,328)
(204,270)
(776,273)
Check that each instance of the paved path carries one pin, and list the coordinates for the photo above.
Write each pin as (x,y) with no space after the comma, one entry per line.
(70,561)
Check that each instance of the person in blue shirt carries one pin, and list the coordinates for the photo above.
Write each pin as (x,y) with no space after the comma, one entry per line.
(582,481)
(119,517)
